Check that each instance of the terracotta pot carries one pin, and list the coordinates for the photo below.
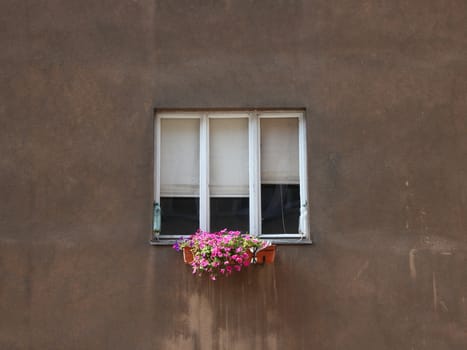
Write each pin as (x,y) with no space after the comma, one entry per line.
(266,255)
(187,255)
(250,254)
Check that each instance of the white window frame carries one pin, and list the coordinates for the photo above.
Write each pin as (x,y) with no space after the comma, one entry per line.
(254,158)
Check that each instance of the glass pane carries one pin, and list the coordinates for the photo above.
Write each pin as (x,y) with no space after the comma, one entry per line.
(280,184)
(228,182)
(279,151)
(180,216)
(179,157)
(230,213)
(280,208)
(228,152)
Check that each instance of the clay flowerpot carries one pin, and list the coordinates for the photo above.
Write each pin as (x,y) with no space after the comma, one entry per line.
(266,255)
(187,255)
(250,254)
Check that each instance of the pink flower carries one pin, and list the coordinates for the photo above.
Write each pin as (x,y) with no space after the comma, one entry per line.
(219,252)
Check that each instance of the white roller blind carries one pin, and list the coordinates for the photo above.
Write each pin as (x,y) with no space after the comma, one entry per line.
(279,151)
(179,157)
(228,150)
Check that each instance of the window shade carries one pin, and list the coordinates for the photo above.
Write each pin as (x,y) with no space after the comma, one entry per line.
(279,151)
(179,157)
(228,139)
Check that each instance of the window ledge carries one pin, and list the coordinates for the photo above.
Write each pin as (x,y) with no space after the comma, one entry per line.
(284,241)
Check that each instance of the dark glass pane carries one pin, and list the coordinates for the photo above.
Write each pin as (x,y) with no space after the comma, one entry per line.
(180,216)
(280,208)
(230,213)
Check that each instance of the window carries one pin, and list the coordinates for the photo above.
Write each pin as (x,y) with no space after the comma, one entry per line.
(243,170)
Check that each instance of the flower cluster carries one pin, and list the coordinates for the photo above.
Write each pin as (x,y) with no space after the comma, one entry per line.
(220,253)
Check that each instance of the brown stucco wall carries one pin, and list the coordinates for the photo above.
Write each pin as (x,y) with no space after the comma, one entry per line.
(384,84)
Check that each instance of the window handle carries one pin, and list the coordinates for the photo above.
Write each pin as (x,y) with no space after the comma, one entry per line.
(156,221)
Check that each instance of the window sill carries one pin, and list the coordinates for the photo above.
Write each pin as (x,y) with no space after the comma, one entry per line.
(277,241)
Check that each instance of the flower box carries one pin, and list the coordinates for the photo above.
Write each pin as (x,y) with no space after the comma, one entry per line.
(221,253)
(266,255)
(187,255)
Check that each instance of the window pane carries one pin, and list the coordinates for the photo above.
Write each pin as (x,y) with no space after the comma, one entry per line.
(228,184)
(280,208)
(180,216)
(230,213)
(279,151)
(179,157)
(280,183)
(228,151)
(179,181)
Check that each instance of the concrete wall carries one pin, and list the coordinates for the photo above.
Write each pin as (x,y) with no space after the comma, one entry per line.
(384,84)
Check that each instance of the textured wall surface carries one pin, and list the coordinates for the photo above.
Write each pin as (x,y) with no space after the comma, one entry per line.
(385,88)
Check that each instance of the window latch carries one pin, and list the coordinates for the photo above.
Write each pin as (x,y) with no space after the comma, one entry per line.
(156,221)
(303,219)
